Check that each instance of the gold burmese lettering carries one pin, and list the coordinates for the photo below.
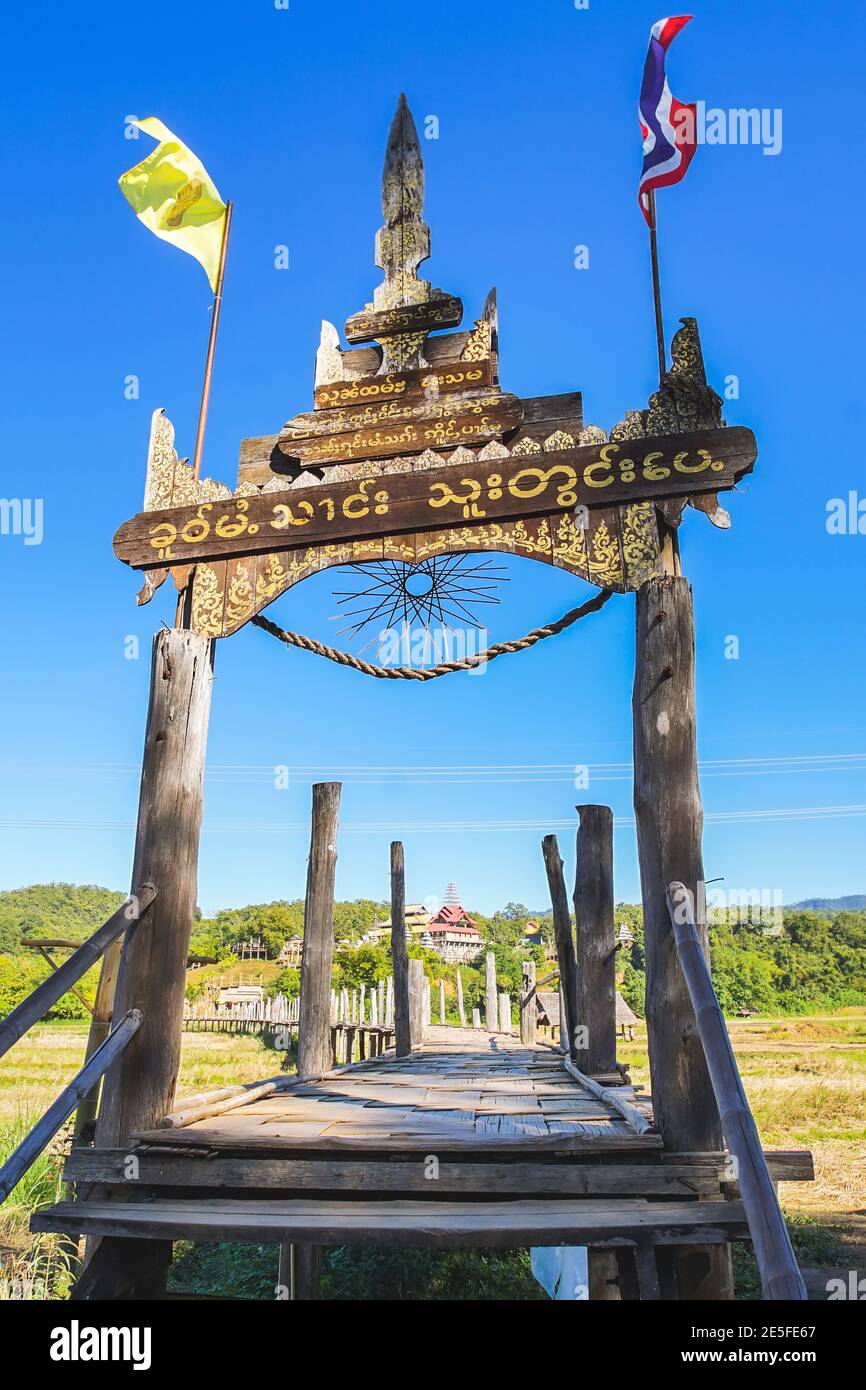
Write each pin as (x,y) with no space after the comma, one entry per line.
(355,513)
(706,462)
(468,503)
(228,528)
(604,461)
(565,491)
(162,538)
(650,471)
(199,528)
(284,517)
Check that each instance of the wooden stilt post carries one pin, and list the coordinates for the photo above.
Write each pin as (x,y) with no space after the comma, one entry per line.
(491,1002)
(417,1002)
(139,1088)
(669,821)
(594,1044)
(461,1010)
(399,957)
(314,1032)
(564,938)
(441,1001)
(528,1005)
(504,1013)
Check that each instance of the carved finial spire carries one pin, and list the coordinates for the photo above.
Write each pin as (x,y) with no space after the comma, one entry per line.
(403,174)
(404,241)
(404,309)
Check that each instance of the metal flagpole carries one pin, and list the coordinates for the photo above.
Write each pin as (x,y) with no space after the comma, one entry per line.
(657,293)
(668,535)
(208,366)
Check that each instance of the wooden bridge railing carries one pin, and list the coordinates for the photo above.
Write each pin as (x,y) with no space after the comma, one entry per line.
(777,1263)
(69,1099)
(37,1003)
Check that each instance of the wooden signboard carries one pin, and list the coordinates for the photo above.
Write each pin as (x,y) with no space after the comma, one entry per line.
(557,482)
(387,428)
(417,385)
(373,324)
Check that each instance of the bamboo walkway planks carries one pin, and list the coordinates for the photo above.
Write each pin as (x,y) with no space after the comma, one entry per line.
(463,1089)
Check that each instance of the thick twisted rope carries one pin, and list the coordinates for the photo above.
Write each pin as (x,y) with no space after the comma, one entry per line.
(444,668)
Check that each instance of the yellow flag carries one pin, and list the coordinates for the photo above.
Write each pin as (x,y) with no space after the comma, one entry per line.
(172,193)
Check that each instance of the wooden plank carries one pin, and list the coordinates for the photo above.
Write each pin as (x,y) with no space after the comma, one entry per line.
(182,1168)
(402,1223)
(257,1137)
(388,430)
(260,458)
(422,383)
(591,475)
(374,324)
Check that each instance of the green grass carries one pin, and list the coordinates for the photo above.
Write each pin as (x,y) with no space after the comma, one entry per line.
(365,1275)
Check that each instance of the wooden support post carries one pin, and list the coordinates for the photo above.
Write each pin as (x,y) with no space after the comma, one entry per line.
(528,1006)
(461,1011)
(564,939)
(428,1007)
(594,1044)
(441,1001)
(314,1039)
(504,1013)
(669,820)
(417,1002)
(399,957)
(476,1018)
(138,1090)
(564,1038)
(491,1001)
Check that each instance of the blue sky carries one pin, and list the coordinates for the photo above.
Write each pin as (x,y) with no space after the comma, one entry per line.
(538,151)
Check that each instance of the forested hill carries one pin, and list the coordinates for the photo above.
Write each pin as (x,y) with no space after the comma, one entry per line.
(53,909)
(796,960)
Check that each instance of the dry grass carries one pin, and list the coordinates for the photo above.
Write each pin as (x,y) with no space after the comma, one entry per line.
(806,1081)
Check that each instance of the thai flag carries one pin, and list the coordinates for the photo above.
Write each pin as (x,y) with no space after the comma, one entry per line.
(669,137)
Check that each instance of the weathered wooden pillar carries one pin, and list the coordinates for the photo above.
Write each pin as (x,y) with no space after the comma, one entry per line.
(139,1089)
(461,1010)
(314,1034)
(399,958)
(594,1044)
(562,930)
(417,1002)
(504,1013)
(491,1002)
(528,1005)
(669,821)
(441,1001)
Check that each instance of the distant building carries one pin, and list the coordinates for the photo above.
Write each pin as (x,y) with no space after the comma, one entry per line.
(450,932)
(291,951)
(235,998)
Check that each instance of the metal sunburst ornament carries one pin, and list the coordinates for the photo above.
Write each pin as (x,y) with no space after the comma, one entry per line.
(441,593)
